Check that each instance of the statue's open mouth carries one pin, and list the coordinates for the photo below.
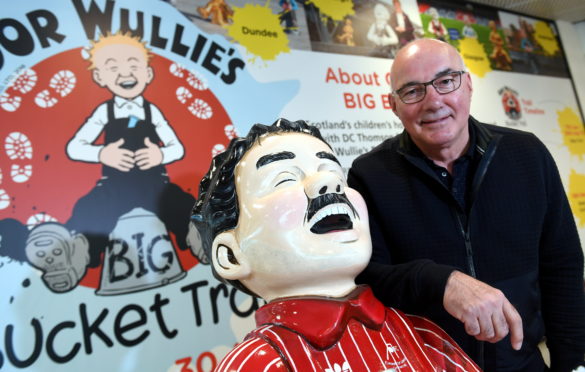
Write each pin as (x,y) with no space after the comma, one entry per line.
(334,217)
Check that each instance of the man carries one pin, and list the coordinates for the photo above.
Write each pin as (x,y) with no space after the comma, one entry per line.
(277,221)
(486,201)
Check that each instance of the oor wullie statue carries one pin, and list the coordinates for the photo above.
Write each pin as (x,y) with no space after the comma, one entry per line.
(277,220)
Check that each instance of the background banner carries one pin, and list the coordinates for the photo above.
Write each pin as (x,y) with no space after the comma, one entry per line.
(96,271)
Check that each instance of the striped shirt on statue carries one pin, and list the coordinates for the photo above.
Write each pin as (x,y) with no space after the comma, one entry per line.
(352,334)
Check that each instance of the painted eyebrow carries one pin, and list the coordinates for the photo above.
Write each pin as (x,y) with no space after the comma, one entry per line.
(133,59)
(109,60)
(327,155)
(438,74)
(270,158)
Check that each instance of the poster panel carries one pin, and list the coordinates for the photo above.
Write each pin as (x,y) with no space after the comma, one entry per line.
(95,254)
(140,300)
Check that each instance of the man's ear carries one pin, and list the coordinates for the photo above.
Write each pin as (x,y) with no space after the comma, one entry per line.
(228,260)
(469,83)
(392,101)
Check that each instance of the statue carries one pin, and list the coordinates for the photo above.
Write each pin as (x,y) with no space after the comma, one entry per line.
(436,28)
(277,220)
(218,11)
(499,55)
(381,34)
(346,35)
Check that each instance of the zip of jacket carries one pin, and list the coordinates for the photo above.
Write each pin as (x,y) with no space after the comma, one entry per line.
(486,145)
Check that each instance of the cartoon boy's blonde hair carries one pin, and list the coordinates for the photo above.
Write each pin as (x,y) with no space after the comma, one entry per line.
(118,38)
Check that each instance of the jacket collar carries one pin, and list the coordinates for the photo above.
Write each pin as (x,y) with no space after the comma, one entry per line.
(483,135)
(486,144)
(323,320)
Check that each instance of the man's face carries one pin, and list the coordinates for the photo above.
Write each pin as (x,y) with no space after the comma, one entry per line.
(439,121)
(299,224)
(123,69)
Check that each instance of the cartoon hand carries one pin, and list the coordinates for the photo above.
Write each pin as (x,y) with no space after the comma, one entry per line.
(148,157)
(114,156)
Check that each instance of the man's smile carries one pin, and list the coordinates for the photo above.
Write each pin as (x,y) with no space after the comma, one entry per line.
(435,119)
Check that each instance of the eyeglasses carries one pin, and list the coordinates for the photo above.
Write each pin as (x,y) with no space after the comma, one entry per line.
(443,84)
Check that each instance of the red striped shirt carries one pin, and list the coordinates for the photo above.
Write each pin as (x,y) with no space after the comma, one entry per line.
(354,334)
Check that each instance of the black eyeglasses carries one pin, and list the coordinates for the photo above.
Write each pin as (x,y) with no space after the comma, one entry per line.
(447,83)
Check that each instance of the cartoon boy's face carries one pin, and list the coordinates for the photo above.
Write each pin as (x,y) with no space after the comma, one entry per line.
(123,69)
(301,230)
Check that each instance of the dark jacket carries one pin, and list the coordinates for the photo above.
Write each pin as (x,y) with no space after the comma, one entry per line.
(518,235)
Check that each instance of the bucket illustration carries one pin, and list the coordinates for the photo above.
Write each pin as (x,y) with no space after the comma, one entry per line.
(139,255)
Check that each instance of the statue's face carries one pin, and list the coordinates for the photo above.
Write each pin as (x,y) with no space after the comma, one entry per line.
(299,224)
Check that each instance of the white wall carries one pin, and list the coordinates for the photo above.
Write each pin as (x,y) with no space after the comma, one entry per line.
(573,38)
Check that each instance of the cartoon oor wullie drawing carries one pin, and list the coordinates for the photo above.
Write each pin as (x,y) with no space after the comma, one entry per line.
(125,220)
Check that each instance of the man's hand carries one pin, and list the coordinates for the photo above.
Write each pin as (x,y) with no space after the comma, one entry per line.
(485,311)
(114,156)
(149,156)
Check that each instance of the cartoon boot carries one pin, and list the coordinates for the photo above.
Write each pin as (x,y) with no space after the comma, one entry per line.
(61,256)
